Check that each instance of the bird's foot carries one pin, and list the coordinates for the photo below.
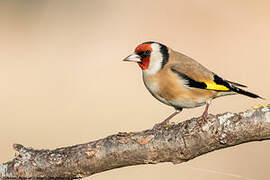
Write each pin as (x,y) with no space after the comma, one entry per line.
(202,119)
(163,124)
(166,122)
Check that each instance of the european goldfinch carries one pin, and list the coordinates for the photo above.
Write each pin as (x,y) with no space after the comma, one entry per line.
(178,80)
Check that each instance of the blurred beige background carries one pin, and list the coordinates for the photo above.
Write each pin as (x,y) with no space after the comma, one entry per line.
(62,81)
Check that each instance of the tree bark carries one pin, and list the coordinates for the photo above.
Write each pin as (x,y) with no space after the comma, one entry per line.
(174,143)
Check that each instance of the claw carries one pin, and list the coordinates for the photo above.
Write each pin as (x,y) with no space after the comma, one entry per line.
(166,122)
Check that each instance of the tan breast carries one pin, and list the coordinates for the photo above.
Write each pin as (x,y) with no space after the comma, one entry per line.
(167,87)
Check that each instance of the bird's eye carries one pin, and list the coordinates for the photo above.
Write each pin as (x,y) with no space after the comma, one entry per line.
(147,52)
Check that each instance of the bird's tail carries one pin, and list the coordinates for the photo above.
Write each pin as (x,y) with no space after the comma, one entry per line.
(241,91)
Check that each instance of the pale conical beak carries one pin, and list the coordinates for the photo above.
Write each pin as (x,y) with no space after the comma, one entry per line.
(133,57)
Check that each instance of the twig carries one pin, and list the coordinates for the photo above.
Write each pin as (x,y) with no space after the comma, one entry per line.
(174,143)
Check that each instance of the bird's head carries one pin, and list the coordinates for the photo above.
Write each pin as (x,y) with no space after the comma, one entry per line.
(150,56)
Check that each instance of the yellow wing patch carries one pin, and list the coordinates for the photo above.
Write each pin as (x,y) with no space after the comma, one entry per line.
(214,86)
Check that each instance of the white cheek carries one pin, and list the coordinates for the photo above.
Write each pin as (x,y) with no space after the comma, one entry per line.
(154,66)
(155,60)
(155,63)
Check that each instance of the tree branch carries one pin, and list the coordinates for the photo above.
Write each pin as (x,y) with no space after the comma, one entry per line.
(174,143)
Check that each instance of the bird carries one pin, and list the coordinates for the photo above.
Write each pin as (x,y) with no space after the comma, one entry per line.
(180,81)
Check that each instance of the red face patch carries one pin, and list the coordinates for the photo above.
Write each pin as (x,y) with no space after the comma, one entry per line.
(142,50)
(145,63)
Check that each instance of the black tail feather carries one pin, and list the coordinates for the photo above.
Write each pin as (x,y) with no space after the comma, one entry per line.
(235,84)
(241,91)
(232,87)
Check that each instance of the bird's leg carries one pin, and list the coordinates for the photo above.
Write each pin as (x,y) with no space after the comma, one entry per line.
(205,112)
(167,120)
